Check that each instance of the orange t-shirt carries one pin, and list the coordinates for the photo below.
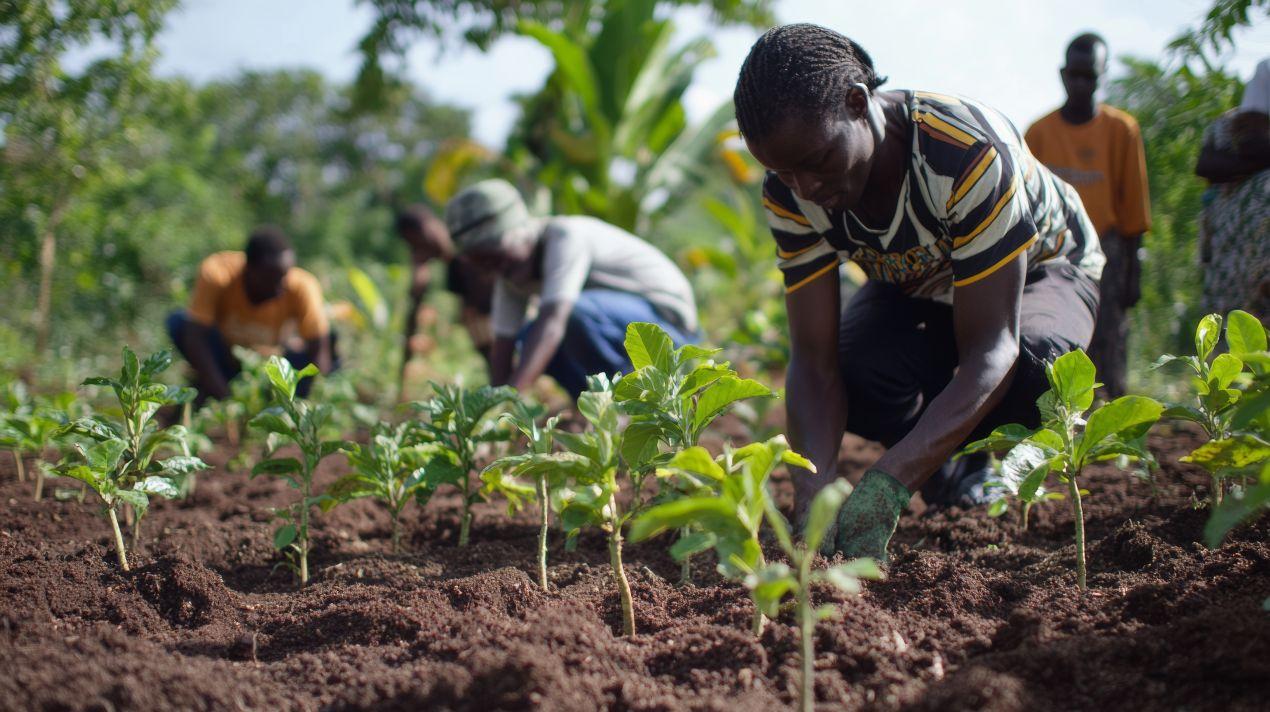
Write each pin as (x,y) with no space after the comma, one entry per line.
(220,301)
(1103,160)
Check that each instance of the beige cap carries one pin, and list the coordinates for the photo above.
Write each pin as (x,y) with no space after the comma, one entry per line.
(484,213)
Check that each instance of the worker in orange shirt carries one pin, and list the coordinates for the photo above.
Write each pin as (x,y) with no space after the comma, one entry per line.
(1098,150)
(256,299)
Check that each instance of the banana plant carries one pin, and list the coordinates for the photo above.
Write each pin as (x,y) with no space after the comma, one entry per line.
(122,464)
(1067,440)
(672,396)
(393,468)
(1233,450)
(607,135)
(725,513)
(457,418)
(302,423)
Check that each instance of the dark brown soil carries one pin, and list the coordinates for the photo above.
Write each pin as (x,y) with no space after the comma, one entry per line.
(975,615)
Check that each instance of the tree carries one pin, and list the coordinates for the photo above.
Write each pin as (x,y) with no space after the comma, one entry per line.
(58,123)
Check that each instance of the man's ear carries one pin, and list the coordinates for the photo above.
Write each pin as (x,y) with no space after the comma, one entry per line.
(856,100)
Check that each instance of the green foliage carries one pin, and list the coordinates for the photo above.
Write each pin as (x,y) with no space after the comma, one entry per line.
(673,395)
(1173,105)
(302,423)
(607,134)
(458,420)
(393,468)
(1230,452)
(1215,32)
(1236,420)
(30,426)
(122,464)
(1067,440)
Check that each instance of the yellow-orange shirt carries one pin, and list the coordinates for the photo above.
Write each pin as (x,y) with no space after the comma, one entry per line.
(1103,160)
(220,301)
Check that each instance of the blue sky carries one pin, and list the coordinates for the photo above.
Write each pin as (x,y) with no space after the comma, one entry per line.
(1003,52)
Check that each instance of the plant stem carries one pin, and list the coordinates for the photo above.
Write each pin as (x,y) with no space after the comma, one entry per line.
(17,458)
(544,524)
(619,575)
(1027,509)
(304,526)
(1218,491)
(685,571)
(757,622)
(136,533)
(396,533)
(465,523)
(1078,514)
(119,551)
(39,481)
(807,625)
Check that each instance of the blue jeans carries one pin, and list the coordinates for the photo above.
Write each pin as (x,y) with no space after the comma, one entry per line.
(224,359)
(595,336)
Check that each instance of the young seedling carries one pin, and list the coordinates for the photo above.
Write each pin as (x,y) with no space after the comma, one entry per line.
(393,469)
(1216,397)
(32,430)
(771,583)
(672,396)
(726,513)
(1066,441)
(302,423)
(121,464)
(504,476)
(457,419)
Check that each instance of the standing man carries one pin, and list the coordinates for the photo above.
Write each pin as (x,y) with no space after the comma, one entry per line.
(1098,150)
(256,299)
(588,279)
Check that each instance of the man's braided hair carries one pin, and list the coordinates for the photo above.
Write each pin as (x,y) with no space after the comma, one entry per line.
(797,70)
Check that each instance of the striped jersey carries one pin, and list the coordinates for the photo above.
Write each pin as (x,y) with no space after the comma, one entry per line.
(973,198)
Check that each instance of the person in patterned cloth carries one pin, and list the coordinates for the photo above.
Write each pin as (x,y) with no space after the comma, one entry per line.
(1235,227)
(982,267)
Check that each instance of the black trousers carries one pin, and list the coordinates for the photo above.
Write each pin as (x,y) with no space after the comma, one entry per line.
(897,352)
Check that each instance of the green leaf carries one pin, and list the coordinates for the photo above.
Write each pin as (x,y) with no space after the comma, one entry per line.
(1234,453)
(273,420)
(156,363)
(1001,439)
(104,456)
(692,544)
(283,536)
(723,393)
(1206,334)
(571,62)
(1126,417)
(709,513)
(649,345)
(639,444)
(697,460)
(100,381)
(824,511)
(1183,412)
(1244,333)
(277,466)
(131,368)
(138,500)
(182,465)
(330,447)
(597,407)
(1225,369)
(793,459)
(846,577)
(91,428)
(1072,380)
(162,486)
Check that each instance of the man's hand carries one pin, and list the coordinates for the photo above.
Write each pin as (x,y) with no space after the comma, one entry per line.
(541,343)
(210,379)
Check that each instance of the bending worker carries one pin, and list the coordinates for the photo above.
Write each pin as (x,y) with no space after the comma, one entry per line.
(982,267)
(589,279)
(256,299)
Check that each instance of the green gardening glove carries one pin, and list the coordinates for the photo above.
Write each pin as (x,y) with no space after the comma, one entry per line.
(868,519)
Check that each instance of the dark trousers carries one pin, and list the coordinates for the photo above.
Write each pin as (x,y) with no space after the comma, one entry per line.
(224,359)
(595,337)
(897,353)
(1109,349)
